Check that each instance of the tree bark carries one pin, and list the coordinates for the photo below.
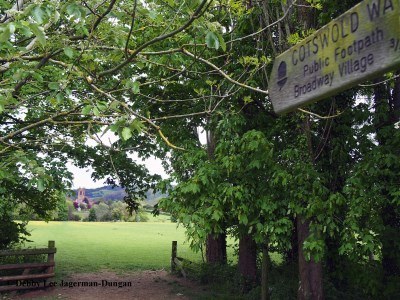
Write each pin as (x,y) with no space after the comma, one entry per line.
(310,272)
(306,14)
(387,112)
(264,273)
(396,99)
(248,261)
(215,243)
(292,255)
(216,248)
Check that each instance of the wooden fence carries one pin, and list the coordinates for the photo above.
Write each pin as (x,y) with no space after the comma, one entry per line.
(176,262)
(16,282)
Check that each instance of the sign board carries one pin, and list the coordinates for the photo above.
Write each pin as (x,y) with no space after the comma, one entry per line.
(358,45)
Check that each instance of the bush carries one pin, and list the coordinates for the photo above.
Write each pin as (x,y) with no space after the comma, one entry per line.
(10,232)
(92,215)
(62,211)
(76,217)
(103,212)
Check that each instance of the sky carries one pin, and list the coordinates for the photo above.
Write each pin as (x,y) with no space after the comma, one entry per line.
(82,177)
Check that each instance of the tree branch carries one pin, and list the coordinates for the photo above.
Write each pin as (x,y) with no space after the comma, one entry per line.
(226,76)
(195,15)
(36,124)
(147,120)
(319,116)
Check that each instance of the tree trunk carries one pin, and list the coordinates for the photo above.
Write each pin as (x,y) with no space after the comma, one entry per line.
(396,99)
(310,272)
(216,248)
(306,14)
(292,255)
(215,243)
(390,251)
(387,112)
(248,261)
(382,110)
(264,273)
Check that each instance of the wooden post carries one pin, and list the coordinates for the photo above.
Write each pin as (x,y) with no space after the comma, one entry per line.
(264,274)
(50,256)
(173,256)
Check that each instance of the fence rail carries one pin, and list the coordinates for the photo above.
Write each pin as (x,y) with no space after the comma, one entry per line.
(47,268)
(177,262)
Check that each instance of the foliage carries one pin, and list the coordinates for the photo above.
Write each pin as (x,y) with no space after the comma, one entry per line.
(154,73)
(76,217)
(102,212)
(62,210)
(92,215)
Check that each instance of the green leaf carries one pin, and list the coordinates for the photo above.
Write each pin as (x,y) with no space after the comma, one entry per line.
(74,10)
(114,105)
(40,185)
(126,133)
(171,3)
(5,35)
(24,29)
(114,127)
(87,109)
(38,14)
(247,99)
(134,86)
(221,41)
(137,125)
(243,219)
(39,33)
(59,97)
(69,52)
(96,111)
(101,105)
(54,86)
(212,40)
(11,27)
(216,215)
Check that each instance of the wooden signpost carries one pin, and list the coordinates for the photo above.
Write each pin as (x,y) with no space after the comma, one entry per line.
(360,44)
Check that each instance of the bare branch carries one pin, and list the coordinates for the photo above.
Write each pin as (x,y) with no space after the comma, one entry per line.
(36,124)
(226,76)
(266,27)
(319,116)
(147,120)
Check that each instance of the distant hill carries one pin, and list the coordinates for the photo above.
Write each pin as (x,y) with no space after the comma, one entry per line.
(117,193)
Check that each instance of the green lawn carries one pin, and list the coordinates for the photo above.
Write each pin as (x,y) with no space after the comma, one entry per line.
(118,246)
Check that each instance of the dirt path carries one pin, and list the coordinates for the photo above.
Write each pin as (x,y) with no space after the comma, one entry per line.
(152,285)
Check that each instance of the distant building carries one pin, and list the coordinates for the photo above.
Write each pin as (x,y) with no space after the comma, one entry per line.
(82,198)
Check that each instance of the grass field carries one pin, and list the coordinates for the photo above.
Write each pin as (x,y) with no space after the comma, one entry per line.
(117,246)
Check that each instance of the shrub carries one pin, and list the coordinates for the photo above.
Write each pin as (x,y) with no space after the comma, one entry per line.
(76,217)
(76,205)
(62,211)
(103,212)
(10,232)
(92,215)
